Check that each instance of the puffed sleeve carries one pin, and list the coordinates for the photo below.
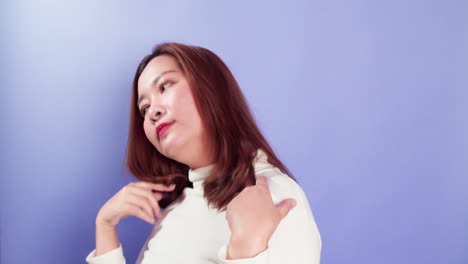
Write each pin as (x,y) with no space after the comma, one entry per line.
(296,239)
(114,256)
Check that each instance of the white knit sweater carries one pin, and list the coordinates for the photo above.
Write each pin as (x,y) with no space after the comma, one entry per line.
(190,232)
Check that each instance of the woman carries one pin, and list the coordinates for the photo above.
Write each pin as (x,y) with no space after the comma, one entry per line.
(206,172)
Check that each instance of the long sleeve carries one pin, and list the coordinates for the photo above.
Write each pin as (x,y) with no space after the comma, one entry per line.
(297,239)
(260,258)
(114,256)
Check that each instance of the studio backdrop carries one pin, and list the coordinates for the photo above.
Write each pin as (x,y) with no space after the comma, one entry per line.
(366,102)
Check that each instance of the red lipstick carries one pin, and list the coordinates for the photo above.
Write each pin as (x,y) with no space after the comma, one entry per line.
(162,128)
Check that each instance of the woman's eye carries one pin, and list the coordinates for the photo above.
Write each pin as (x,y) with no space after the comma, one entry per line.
(143,111)
(164,85)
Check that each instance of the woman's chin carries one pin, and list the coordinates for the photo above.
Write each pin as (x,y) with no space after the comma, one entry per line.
(169,146)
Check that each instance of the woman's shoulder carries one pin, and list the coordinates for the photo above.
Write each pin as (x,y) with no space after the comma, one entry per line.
(299,225)
(282,186)
(301,217)
(279,183)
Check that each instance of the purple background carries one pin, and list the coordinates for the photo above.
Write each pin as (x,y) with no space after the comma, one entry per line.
(365,101)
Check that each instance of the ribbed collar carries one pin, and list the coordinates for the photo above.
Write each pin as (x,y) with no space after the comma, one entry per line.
(197,176)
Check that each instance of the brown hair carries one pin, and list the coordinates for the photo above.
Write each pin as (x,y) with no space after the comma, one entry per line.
(226,117)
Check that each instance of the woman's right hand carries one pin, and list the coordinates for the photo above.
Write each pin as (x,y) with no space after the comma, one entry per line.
(134,199)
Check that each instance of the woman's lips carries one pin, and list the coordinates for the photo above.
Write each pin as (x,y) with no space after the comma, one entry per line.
(163,130)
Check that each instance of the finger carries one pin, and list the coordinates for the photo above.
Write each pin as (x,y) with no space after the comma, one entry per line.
(155,186)
(150,197)
(138,212)
(285,206)
(140,202)
(262,181)
(158,196)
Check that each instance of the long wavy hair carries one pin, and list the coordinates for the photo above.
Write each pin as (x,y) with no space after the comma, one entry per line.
(225,116)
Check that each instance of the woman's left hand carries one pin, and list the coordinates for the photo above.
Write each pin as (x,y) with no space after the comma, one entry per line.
(252,216)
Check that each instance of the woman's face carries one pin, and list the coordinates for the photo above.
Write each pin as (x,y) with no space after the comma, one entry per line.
(163,89)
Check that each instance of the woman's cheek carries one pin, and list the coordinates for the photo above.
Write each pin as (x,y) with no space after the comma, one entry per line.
(148,133)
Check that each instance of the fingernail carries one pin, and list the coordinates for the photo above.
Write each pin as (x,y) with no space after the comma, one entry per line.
(293,203)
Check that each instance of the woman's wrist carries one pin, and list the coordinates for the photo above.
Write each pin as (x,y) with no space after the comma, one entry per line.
(239,248)
(106,238)
(104,224)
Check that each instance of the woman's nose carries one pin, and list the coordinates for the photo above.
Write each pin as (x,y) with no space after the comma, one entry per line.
(155,112)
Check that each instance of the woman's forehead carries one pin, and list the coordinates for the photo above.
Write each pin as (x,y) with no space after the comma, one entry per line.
(159,65)
(155,70)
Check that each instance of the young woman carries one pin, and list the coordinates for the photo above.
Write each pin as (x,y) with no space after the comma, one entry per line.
(217,189)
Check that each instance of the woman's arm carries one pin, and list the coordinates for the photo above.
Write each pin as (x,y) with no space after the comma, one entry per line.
(135,199)
(106,238)
(248,248)
(108,248)
(295,240)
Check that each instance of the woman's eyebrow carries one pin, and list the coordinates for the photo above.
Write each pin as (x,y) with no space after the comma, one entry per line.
(153,83)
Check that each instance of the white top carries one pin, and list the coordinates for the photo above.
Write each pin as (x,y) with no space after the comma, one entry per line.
(190,232)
